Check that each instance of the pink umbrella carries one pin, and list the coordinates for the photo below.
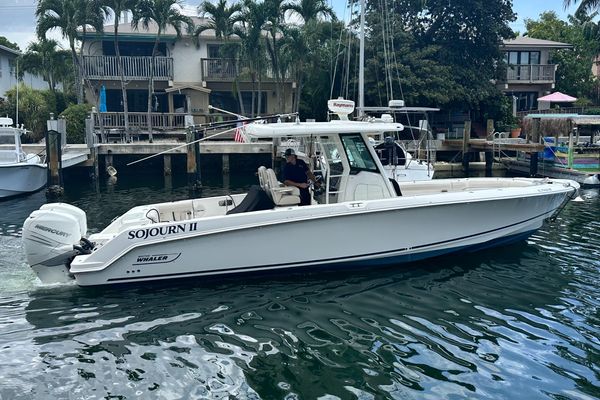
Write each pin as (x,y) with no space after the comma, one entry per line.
(558,97)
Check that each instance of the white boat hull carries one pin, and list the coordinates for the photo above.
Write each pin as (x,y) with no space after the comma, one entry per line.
(19,178)
(357,233)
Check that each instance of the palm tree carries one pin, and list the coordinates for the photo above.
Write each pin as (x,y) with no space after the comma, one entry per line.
(118,7)
(310,10)
(222,19)
(275,26)
(585,6)
(164,14)
(68,16)
(296,51)
(252,45)
(46,59)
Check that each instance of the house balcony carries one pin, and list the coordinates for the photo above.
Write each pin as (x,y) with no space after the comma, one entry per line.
(228,69)
(134,68)
(530,73)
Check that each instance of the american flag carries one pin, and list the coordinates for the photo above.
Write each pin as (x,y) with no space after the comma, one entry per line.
(239,133)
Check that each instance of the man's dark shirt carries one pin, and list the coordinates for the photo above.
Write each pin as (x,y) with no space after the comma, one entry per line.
(297,173)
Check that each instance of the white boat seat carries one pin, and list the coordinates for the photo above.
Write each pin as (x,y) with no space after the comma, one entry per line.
(262,178)
(281,194)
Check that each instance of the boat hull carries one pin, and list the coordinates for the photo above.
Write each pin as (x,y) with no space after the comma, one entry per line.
(16,179)
(351,234)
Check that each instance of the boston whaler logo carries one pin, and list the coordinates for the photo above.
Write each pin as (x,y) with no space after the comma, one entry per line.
(156,258)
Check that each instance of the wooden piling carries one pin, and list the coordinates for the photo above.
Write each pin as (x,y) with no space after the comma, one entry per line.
(193,160)
(167,169)
(533,163)
(465,150)
(225,163)
(489,162)
(56,131)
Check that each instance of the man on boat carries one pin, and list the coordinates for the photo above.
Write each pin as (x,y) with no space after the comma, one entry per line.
(296,173)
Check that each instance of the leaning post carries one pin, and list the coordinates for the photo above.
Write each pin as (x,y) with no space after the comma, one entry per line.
(54,138)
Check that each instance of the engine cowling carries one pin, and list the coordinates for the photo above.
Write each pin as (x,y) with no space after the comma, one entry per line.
(49,237)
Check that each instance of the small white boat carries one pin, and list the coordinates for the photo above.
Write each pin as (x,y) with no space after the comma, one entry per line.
(361,218)
(19,172)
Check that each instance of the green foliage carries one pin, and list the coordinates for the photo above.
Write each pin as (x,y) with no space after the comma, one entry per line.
(574,72)
(439,53)
(592,111)
(7,43)
(34,109)
(75,116)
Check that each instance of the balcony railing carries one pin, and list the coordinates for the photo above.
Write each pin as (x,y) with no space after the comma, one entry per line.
(228,69)
(134,68)
(531,73)
(139,120)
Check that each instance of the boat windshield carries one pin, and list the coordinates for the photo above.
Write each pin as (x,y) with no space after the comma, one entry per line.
(7,140)
(359,157)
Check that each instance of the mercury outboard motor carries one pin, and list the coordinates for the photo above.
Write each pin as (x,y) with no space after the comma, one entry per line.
(52,237)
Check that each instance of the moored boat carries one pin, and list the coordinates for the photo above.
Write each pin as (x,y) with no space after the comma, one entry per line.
(361,218)
(19,172)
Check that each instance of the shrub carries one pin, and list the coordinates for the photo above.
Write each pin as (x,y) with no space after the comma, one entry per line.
(75,115)
(33,110)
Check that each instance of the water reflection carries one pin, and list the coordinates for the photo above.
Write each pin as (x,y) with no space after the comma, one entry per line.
(519,321)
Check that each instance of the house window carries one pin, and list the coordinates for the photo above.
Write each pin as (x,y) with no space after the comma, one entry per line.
(522,57)
(525,101)
(214,50)
(227,101)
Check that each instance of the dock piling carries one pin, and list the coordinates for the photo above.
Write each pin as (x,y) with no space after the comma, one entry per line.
(57,130)
(193,160)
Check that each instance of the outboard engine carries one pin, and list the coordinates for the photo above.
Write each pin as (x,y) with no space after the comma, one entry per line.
(52,237)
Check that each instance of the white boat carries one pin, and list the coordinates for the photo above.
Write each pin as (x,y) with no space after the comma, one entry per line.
(19,172)
(361,218)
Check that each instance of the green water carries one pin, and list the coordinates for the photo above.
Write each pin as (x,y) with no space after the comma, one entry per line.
(520,321)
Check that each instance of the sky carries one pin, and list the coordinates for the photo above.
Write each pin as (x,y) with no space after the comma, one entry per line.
(17,19)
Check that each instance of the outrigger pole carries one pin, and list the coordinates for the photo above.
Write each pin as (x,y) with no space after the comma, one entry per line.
(214,125)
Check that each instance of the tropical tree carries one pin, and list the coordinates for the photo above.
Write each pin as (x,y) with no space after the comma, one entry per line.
(255,16)
(68,16)
(7,43)
(296,55)
(585,6)
(574,71)
(275,27)
(118,7)
(47,59)
(222,19)
(164,14)
(310,10)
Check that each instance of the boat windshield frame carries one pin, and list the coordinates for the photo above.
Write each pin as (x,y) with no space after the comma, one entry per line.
(354,155)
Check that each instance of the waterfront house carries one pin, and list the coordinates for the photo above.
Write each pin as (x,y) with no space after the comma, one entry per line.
(530,72)
(189,75)
(8,78)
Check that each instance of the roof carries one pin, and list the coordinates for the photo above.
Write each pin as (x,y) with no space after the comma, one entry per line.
(577,119)
(10,51)
(126,29)
(318,128)
(529,42)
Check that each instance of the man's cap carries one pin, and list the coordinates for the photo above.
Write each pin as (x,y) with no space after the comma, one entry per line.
(290,152)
